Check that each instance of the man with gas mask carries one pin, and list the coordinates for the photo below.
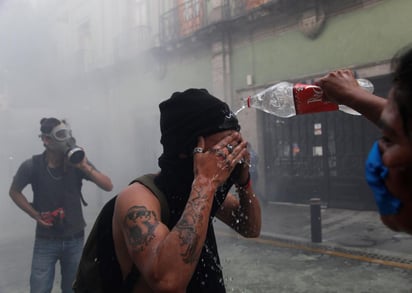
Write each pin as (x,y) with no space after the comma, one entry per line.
(56,179)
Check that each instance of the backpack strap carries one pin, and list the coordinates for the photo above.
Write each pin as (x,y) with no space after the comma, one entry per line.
(148,181)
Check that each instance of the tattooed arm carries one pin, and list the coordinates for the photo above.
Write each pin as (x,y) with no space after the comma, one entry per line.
(167,258)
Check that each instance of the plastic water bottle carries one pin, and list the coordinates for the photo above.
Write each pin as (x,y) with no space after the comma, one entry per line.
(286,99)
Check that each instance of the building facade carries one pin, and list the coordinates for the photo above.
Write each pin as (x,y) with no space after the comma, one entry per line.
(130,55)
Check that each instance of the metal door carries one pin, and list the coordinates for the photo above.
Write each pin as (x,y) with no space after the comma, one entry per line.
(319,155)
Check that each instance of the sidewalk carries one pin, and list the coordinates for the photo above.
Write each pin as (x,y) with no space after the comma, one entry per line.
(349,230)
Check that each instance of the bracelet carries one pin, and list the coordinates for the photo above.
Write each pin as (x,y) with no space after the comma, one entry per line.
(246,185)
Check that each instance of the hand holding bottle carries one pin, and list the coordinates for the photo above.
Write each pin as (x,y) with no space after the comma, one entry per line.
(341,86)
(286,99)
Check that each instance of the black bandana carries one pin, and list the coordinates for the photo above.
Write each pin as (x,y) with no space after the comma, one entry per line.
(189,114)
(184,117)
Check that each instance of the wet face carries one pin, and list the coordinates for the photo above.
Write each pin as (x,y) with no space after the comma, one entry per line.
(395,145)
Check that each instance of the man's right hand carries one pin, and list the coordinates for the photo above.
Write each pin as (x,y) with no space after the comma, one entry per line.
(44,220)
(338,86)
(217,163)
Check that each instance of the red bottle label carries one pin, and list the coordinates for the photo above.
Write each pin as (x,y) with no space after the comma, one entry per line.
(309,99)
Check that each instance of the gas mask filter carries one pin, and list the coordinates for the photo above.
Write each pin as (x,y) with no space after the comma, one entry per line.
(63,141)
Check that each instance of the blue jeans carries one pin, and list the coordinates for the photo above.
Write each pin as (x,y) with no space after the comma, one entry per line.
(46,253)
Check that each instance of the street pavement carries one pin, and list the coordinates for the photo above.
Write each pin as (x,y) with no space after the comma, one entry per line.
(354,240)
(351,231)
(254,266)
(357,253)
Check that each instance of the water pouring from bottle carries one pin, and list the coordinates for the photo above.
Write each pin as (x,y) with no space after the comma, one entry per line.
(286,99)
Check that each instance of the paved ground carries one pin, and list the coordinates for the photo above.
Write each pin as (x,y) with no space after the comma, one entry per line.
(357,254)
(254,267)
(357,231)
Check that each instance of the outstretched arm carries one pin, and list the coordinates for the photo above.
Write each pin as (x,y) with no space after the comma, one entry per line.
(341,87)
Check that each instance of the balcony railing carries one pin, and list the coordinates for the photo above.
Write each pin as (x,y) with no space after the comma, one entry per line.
(183,20)
(191,17)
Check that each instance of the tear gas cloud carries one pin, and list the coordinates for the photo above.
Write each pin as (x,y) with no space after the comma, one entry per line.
(119,138)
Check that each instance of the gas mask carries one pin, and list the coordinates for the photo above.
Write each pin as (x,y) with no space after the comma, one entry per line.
(63,141)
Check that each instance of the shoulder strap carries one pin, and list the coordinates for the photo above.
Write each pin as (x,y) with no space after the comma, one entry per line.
(148,181)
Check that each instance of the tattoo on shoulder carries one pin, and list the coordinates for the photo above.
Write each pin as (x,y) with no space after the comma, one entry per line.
(140,224)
